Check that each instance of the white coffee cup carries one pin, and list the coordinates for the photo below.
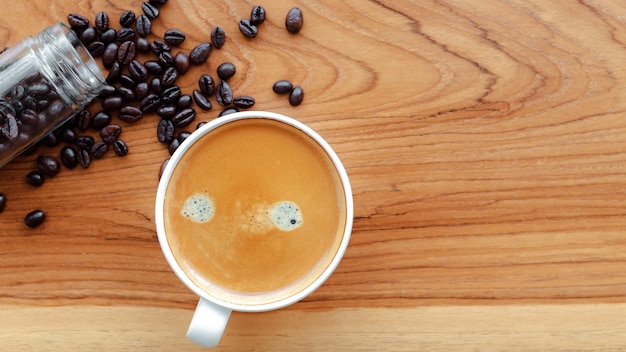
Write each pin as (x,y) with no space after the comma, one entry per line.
(212,314)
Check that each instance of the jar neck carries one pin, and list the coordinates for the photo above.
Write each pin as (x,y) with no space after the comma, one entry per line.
(68,65)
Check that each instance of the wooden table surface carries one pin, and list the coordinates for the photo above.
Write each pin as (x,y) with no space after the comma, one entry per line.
(486,146)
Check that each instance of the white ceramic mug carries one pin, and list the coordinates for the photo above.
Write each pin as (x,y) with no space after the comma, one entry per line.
(212,314)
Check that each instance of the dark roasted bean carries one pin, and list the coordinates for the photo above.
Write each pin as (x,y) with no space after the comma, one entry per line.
(3,202)
(165,131)
(200,53)
(200,124)
(88,35)
(158,2)
(100,119)
(130,114)
(35,178)
(127,18)
(125,34)
(150,103)
(108,36)
(50,140)
(282,87)
(156,86)
(206,84)
(55,109)
(169,77)
(184,101)
(99,149)
(110,55)
(48,165)
(102,21)
(35,218)
(294,20)
(202,101)
(96,48)
(114,72)
(68,135)
(150,10)
(244,102)
(126,93)
(112,103)
(142,45)
(84,142)
(223,93)
(120,148)
(166,59)
(248,29)
(228,111)
(184,117)
(173,145)
(29,117)
(167,111)
(137,71)
(141,90)
(126,52)
(158,46)
(68,157)
(170,95)
(77,21)
(153,67)
(83,158)
(110,133)
(127,81)
(296,96)
(181,62)
(174,37)
(226,70)
(9,127)
(38,90)
(143,26)
(183,135)
(257,15)
(218,37)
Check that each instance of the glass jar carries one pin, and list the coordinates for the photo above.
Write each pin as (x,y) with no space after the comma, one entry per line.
(44,81)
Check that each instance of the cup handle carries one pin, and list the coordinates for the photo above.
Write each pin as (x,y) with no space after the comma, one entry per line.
(208,323)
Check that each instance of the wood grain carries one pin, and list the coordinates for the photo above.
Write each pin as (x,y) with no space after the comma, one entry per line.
(485,142)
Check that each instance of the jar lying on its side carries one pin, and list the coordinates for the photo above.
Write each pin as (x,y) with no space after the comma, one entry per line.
(44,81)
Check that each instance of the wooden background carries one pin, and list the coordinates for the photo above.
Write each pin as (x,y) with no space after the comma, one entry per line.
(485,142)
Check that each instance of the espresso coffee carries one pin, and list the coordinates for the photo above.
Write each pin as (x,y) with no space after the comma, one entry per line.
(254,212)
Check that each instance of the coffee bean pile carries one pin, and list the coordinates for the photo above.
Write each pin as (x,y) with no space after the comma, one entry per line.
(141,74)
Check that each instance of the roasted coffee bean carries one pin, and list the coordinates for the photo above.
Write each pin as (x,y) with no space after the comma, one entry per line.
(244,102)
(282,87)
(99,149)
(55,109)
(248,29)
(142,45)
(127,18)
(158,46)
(181,62)
(153,67)
(112,103)
(141,90)
(48,165)
(88,35)
(114,72)
(167,111)
(200,53)
(83,158)
(174,37)
(96,49)
(156,86)
(3,202)
(150,10)
(202,101)
(120,148)
(163,166)
(183,135)
(165,131)
(170,95)
(206,84)
(77,21)
(184,117)
(158,2)
(35,178)
(294,20)
(108,36)
(18,92)
(169,77)
(110,55)
(218,37)
(200,124)
(130,114)
(224,93)
(29,119)
(67,135)
(84,142)
(143,26)
(257,15)
(184,101)
(150,103)
(137,71)
(125,34)
(226,70)
(9,127)
(35,218)
(296,96)
(102,21)
(228,111)
(128,94)
(38,90)
(127,81)
(166,59)
(173,145)
(68,157)
(30,102)
(110,133)
(50,140)
(126,52)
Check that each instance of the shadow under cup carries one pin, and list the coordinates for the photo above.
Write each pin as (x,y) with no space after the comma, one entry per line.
(254,211)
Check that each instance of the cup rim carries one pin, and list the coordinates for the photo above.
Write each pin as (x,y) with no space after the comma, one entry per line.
(167,173)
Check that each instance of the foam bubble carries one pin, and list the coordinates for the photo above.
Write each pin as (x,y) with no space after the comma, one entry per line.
(198,208)
(286,215)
